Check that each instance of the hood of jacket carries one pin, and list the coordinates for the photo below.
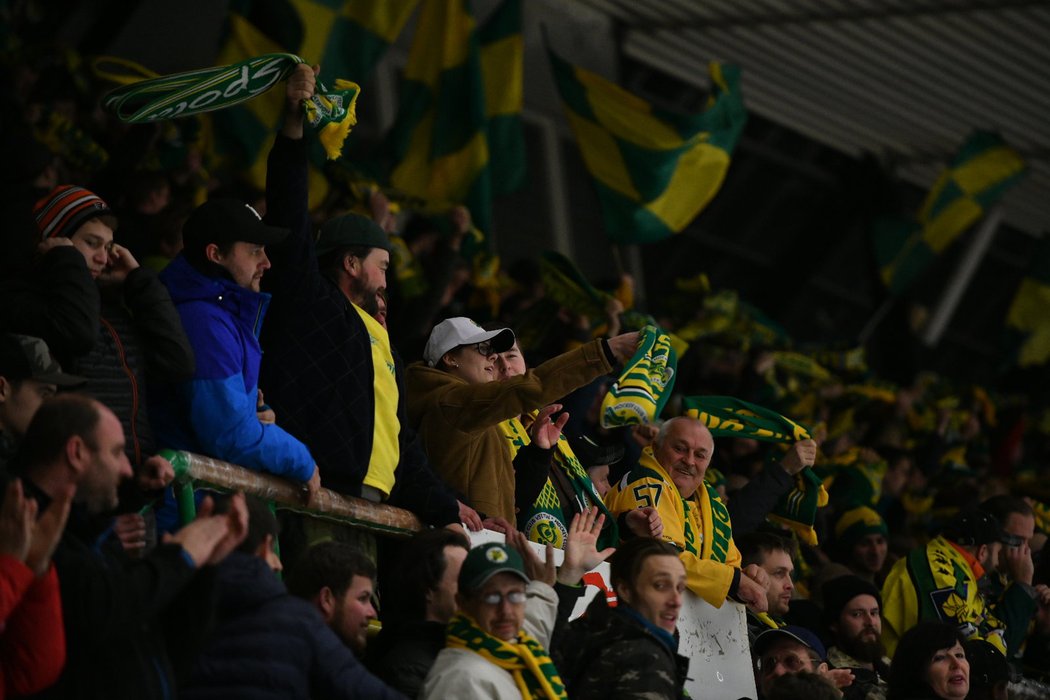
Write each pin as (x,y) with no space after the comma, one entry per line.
(186,284)
(245,582)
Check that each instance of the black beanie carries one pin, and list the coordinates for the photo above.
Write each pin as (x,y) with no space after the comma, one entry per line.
(840,591)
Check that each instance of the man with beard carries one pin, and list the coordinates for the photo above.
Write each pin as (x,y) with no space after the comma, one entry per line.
(852,614)
(131,625)
(772,554)
(331,374)
(939,581)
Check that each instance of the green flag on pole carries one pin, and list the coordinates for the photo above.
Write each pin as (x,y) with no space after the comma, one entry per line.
(654,170)
(1029,311)
(461,102)
(503,71)
(980,172)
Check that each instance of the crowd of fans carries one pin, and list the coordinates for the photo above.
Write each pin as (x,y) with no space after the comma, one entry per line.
(169,310)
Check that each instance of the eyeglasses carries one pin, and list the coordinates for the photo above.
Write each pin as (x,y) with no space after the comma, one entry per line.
(513,597)
(791,662)
(484,348)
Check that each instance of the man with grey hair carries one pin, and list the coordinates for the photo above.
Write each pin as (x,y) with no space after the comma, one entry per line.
(669,478)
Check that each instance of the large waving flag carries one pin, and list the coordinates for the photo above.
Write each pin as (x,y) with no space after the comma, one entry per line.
(654,170)
(980,173)
(1030,310)
(503,71)
(345,38)
(451,88)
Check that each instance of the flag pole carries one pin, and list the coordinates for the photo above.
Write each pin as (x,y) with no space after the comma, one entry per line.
(876,318)
(964,273)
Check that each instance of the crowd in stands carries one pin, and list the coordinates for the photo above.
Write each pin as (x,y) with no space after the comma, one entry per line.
(145,304)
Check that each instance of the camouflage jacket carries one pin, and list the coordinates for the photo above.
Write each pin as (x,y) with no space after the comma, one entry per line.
(867,684)
(611,653)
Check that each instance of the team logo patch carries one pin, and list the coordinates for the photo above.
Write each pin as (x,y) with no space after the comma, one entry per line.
(546,529)
(496,555)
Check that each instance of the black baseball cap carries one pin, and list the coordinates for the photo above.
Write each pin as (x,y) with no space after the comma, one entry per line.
(350,230)
(26,357)
(225,220)
(796,633)
(592,453)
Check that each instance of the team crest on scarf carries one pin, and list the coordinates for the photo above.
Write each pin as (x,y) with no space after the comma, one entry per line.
(544,528)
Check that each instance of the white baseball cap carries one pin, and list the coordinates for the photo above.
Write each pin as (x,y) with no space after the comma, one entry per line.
(453,332)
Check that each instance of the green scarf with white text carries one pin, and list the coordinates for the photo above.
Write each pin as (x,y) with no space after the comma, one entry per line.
(330,112)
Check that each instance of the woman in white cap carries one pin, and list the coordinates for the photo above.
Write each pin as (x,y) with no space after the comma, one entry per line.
(457,406)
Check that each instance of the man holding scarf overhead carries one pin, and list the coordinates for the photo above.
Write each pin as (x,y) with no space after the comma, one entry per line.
(669,477)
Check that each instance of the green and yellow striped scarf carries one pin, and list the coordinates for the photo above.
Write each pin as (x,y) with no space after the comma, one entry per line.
(545,522)
(643,388)
(525,658)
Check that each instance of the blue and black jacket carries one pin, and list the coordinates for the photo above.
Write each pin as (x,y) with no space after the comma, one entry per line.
(214,413)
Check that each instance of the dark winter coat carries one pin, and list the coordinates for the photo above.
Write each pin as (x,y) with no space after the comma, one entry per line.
(112,338)
(609,654)
(403,653)
(317,373)
(130,625)
(270,644)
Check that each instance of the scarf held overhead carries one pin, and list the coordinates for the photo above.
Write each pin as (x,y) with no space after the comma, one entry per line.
(524,658)
(726,416)
(330,112)
(643,388)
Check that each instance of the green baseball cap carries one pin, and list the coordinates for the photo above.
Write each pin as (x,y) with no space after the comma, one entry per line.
(351,230)
(484,562)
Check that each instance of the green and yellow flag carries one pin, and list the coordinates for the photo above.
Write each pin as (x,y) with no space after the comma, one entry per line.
(345,38)
(1030,310)
(654,170)
(458,82)
(503,71)
(983,169)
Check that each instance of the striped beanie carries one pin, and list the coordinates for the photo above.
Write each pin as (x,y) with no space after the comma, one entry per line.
(857,523)
(63,210)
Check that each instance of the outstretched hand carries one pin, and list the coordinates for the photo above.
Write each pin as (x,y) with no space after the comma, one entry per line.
(544,432)
(581,551)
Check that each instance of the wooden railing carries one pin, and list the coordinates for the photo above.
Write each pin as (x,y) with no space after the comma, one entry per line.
(193,471)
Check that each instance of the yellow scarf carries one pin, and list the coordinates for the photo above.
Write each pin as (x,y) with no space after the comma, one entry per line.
(525,658)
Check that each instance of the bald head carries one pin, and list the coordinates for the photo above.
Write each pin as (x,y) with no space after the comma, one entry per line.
(684,448)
